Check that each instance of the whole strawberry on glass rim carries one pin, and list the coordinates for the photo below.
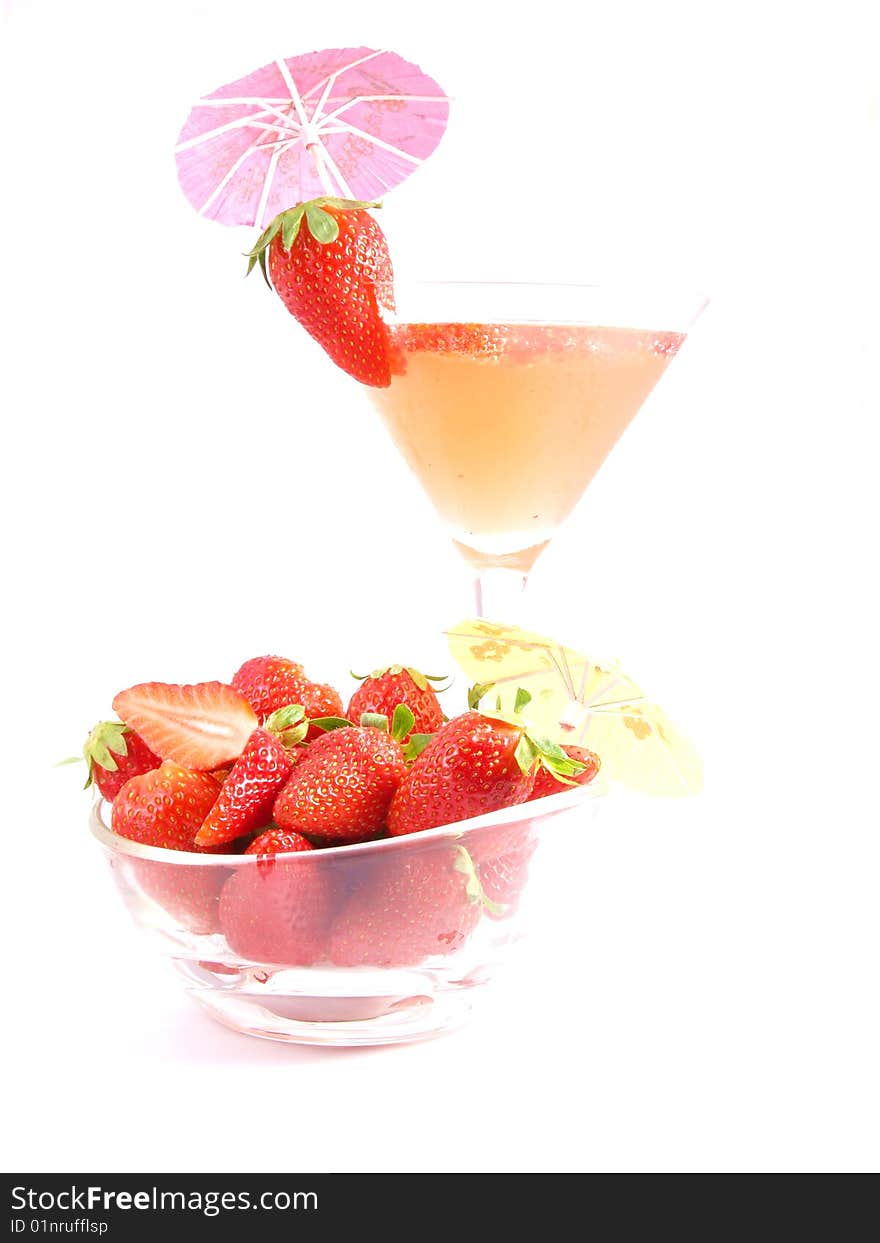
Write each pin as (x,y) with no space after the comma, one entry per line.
(328,261)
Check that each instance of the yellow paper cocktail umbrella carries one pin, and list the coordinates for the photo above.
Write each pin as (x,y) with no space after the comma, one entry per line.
(578,700)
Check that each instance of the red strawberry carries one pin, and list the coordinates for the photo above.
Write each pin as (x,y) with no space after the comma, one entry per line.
(547,783)
(114,753)
(502,856)
(414,903)
(329,264)
(278,841)
(165,807)
(198,727)
(270,683)
(279,909)
(341,791)
(384,689)
(248,793)
(320,701)
(474,764)
(190,895)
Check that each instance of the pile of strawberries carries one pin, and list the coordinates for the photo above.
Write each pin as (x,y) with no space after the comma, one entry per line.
(271,764)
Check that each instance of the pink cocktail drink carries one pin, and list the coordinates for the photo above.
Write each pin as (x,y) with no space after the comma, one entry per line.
(505,425)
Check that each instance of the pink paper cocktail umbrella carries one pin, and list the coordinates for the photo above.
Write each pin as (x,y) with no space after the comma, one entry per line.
(350,122)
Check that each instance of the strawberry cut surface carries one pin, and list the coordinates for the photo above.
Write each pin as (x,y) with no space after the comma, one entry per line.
(201,726)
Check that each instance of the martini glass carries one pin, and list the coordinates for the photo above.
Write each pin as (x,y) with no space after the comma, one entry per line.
(505,400)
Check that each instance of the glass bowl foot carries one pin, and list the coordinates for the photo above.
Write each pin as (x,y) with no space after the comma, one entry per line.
(349,1011)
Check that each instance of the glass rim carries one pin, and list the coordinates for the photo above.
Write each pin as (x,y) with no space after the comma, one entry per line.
(615,286)
(560,803)
(651,304)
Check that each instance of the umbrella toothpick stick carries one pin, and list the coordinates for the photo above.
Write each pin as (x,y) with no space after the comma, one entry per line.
(316,151)
(309,133)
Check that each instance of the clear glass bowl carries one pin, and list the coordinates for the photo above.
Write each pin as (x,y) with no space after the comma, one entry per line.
(376,943)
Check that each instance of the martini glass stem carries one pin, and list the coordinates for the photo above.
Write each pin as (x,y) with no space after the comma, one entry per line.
(499,593)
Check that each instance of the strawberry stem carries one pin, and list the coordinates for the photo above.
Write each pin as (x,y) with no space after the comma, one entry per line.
(289,724)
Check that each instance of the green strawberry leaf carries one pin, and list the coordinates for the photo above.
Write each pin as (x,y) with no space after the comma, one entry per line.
(101,755)
(474,890)
(257,253)
(422,679)
(374,720)
(322,226)
(415,745)
(266,237)
(523,697)
(327,723)
(290,223)
(402,722)
(465,864)
(106,741)
(554,751)
(477,692)
(264,269)
(76,759)
(527,754)
(556,761)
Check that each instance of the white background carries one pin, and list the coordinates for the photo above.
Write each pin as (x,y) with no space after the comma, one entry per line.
(187,482)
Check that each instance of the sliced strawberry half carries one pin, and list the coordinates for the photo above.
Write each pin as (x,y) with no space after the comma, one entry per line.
(199,727)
